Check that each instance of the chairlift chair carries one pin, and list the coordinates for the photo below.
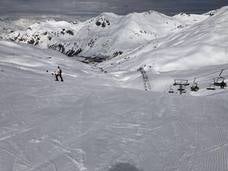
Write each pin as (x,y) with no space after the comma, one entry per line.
(194,86)
(223,85)
(211,87)
(182,84)
(220,82)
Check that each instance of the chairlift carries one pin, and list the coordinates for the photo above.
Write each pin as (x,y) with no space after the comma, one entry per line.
(211,87)
(223,85)
(182,84)
(194,86)
(220,81)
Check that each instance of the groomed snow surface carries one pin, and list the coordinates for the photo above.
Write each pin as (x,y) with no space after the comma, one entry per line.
(98,121)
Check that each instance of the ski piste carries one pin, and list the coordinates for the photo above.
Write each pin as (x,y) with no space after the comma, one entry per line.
(98,120)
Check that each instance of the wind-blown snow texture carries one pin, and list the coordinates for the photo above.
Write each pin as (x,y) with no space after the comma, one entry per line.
(95,120)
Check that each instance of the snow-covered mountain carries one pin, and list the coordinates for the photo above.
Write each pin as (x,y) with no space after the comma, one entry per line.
(107,35)
(100,118)
(202,44)
(151,40)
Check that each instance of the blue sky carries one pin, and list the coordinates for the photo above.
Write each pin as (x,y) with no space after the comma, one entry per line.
(93,7)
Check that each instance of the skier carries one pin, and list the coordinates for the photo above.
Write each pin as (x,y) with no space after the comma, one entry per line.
(58,73)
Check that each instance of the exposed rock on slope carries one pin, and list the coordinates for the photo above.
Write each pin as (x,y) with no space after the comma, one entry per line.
(202,44)
(107,35)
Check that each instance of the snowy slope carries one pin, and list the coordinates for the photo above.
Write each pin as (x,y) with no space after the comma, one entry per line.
(107,35)
(105,121)
(8,24)
(86,123)
(39,61)
(202,44)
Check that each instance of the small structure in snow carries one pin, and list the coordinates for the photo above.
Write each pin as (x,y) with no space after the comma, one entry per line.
(220,81)
(182,84)
(194,86)
(211,87)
